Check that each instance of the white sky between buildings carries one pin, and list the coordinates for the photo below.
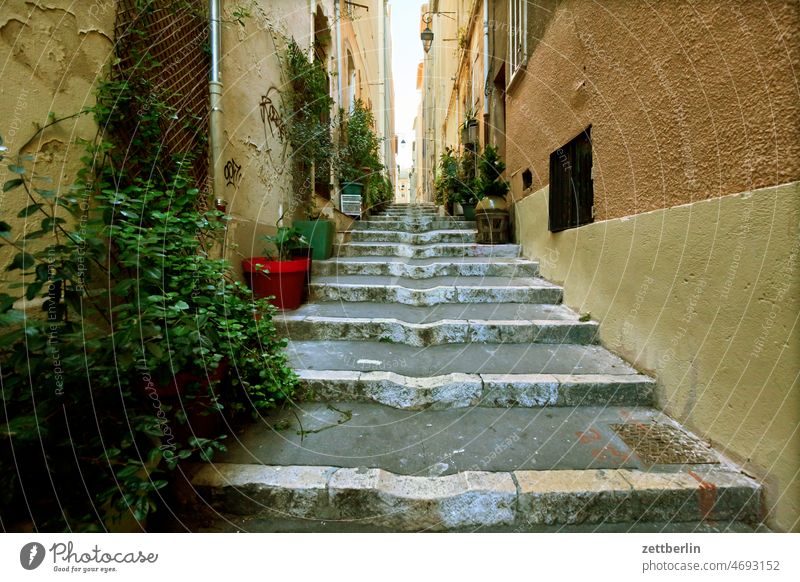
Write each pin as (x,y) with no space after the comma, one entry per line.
(406,54)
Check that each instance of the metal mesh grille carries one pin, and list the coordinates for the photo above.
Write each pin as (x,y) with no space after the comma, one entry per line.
(175,34)
(662,444)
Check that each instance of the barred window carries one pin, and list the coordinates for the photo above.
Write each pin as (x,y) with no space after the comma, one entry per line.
(517,35)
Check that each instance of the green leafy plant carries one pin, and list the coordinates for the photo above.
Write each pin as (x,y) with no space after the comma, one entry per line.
(285,240)
(306,118)
(141,327)
(490,171)
(468,189)
(358,156)
(470,118)
(446,184)
(379,190)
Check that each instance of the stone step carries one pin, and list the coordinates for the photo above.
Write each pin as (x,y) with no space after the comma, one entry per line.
(407,215)
(439,360)
(414,238)
(468,390)
(413,225)
(434,291)
(426,268)
(412,205)
(481,467)
(366,249)
(410,219)
(392,324)
(207,520)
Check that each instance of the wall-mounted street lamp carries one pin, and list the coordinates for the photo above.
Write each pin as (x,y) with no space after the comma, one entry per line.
(427,35)
(427,38)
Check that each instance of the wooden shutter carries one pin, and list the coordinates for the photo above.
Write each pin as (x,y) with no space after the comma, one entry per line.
(571,197)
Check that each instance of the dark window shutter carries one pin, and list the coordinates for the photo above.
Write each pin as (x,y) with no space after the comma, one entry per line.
(571,188)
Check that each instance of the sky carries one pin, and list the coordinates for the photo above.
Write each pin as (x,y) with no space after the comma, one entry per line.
(406,55)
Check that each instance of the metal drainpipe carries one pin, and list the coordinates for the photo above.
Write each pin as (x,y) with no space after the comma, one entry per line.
(337,16)
(215,102)
(486,72)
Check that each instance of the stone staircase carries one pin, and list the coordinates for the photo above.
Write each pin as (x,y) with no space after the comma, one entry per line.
(447,388)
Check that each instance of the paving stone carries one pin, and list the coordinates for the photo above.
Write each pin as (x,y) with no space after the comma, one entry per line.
(573,497)
(291,491)
(423,503)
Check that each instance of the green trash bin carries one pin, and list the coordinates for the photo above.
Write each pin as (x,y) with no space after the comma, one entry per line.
(319,234)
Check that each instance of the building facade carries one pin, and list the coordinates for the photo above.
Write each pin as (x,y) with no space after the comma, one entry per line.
(654,160)
(351,40)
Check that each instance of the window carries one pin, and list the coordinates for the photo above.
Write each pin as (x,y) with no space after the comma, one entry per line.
(571,201)
(517,35)
(352,81)
(476,86)
(527,179)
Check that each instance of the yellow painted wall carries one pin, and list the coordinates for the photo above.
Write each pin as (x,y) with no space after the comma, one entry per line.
(50,60)
(706,297)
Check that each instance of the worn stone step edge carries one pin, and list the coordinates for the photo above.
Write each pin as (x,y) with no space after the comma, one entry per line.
(434,295)
(410,214)
(415,238)
(475,498)
(457,390)
(391,268)
(427,251)
(412,226)
(445,331)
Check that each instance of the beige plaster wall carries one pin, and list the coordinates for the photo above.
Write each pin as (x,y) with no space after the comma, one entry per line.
(706,297)
(257,158)
(50,59)
(687,100)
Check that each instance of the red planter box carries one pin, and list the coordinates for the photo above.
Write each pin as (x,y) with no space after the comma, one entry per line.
(284,281)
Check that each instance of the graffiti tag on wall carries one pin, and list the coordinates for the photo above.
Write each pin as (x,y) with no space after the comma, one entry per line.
(232,172)
(270,117)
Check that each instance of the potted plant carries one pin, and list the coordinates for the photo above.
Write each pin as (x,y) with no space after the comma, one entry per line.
(379,192)
(358,158)
(446,183)
(281,275)
(490,182)
(469,128)
(468,191)
(492,211)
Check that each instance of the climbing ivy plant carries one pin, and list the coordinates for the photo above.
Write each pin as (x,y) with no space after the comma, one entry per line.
(306,118)
(141,328)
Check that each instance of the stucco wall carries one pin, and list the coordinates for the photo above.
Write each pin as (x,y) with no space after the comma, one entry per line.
(705,296)
(257,161)
(50,58)
(687,101)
